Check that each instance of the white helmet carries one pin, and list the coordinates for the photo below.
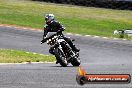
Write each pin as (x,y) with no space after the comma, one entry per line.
(49,17)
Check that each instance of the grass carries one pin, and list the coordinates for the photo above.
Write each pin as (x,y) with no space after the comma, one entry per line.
(16,56)
(77,19)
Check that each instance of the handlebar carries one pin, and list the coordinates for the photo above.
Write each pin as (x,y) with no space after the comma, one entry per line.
(43,41)
(57,33)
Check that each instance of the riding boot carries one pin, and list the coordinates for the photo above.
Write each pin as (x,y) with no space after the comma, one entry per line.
(73,46)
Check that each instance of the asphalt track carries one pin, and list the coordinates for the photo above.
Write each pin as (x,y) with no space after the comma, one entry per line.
(98,55)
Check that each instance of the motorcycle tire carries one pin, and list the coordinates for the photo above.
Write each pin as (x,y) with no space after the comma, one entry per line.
(60,57)
(76,62)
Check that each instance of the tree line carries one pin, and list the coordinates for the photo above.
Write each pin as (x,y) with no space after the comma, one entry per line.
(113,4)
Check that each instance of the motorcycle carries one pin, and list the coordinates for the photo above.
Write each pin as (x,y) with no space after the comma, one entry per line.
(62,50)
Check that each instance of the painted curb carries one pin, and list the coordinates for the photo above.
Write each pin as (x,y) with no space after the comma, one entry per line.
(39,30)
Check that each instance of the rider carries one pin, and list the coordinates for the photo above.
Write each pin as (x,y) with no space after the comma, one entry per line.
(54,26)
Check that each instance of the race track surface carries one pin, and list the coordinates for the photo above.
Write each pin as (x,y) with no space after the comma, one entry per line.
(98,55)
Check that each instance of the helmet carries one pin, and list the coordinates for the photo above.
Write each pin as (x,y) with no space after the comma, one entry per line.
(49,17)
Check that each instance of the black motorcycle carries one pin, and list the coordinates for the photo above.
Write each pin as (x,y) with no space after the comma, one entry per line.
(62,50)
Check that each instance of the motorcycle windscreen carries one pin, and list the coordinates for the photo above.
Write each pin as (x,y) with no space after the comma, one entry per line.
(49,34)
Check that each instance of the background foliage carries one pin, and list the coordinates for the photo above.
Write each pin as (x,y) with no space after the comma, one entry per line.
(114,4)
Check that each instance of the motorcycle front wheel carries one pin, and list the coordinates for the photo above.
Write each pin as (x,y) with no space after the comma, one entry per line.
(60,57)
(76,61)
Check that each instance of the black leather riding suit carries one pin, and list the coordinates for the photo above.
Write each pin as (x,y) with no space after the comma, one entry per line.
(55,26)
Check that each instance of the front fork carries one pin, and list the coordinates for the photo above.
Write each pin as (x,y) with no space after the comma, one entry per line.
(67,51)
(70,52)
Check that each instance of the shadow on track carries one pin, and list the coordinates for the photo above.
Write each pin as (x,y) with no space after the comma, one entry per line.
(65,67)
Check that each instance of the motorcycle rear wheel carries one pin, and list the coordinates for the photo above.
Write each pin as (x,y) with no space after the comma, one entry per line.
(76,62)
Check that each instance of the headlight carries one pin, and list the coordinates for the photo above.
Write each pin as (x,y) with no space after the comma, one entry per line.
(52,40)
(49,41)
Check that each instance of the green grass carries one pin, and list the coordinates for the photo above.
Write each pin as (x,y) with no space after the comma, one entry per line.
(16,56)
(77,19)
